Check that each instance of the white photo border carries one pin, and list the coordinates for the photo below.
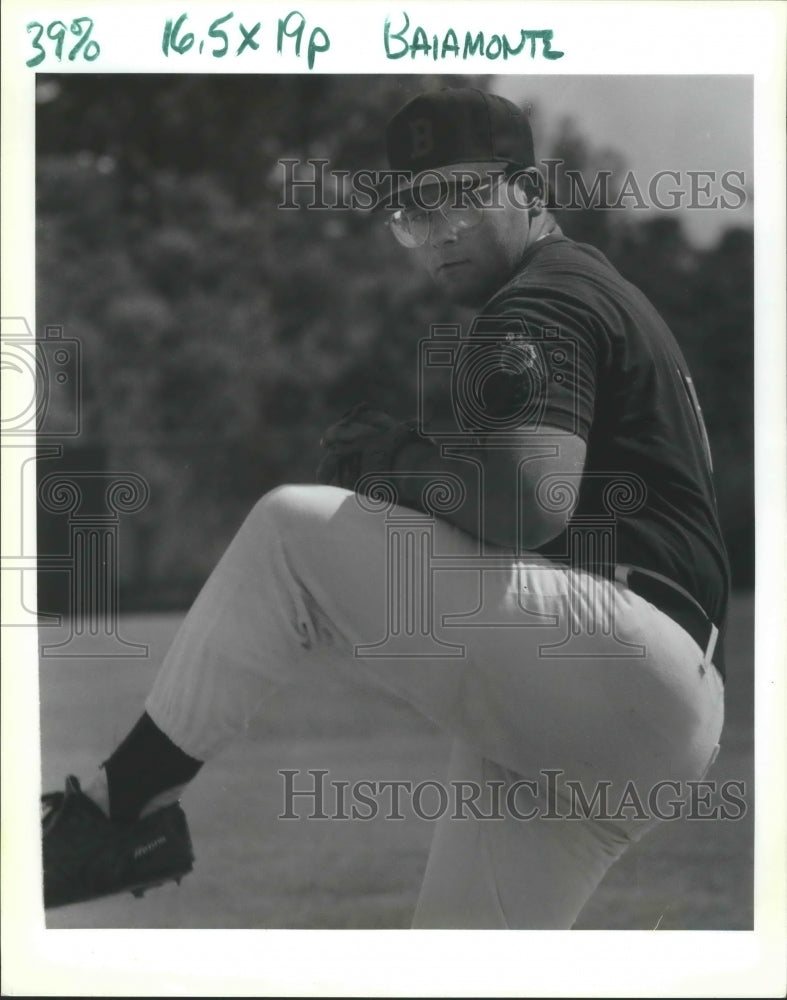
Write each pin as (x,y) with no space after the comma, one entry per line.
(597,38)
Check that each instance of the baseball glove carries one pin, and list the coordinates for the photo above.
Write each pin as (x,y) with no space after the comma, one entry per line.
(363,441)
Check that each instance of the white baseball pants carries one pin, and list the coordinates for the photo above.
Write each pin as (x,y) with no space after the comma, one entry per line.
(529,666)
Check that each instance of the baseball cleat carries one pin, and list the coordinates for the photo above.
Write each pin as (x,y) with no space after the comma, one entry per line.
(87,856)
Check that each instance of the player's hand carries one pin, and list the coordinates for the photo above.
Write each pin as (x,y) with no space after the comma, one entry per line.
(355,428)
(363,441)
(345,442)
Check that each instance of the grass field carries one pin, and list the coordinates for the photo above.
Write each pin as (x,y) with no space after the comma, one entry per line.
(254,870)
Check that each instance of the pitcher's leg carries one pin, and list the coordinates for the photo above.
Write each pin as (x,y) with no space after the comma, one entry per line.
(459,889)
(308,570)
(311,567)
(503,865)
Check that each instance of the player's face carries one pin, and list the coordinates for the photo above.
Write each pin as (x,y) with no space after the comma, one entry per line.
(470,264)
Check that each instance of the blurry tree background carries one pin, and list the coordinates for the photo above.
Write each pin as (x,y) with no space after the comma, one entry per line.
(220,334)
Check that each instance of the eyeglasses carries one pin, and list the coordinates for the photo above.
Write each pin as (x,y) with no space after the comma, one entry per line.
(463,209)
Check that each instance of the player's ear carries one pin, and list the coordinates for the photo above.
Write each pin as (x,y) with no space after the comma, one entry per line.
(528,189)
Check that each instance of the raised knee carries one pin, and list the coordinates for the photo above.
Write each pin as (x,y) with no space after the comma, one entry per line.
(279,501)
(284,497)
(293,504)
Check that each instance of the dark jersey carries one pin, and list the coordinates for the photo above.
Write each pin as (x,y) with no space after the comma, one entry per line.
(595,358)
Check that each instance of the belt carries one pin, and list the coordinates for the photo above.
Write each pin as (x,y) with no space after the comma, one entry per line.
(675,602)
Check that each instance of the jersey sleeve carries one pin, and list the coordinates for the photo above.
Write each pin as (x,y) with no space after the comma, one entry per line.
(536,359)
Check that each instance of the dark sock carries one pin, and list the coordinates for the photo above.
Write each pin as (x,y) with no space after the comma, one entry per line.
(145,764)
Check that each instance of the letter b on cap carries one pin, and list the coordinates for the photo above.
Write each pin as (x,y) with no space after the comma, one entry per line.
(421,137)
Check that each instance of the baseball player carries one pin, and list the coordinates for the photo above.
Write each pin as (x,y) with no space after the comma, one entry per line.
(567,579)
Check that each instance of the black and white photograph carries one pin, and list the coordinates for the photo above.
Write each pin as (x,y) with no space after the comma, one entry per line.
(385,443)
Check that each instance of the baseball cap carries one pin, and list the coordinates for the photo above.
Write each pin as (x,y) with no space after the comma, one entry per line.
(453,126)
